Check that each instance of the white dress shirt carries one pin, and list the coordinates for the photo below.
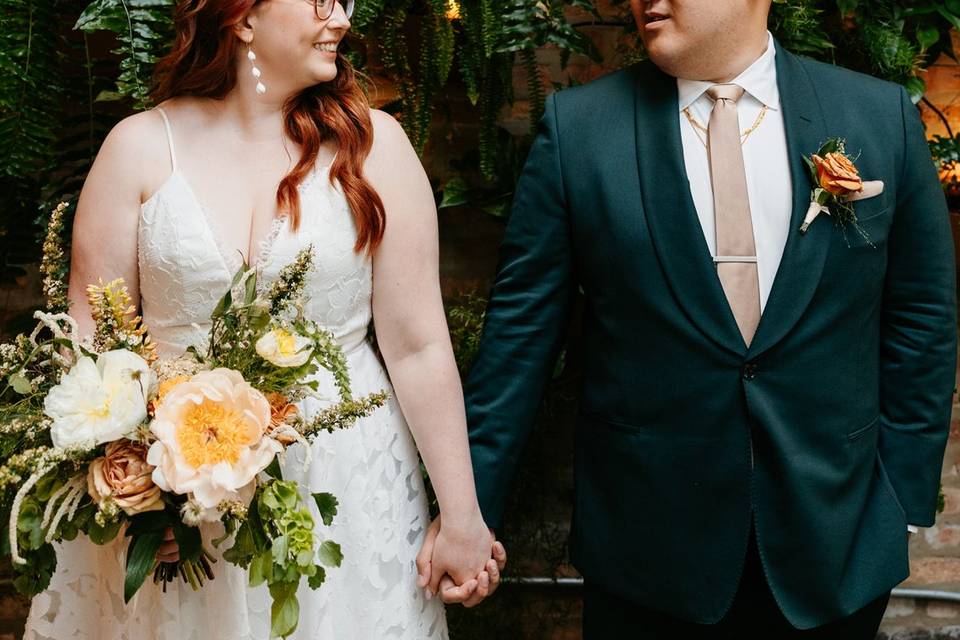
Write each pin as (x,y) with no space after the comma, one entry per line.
(765,159)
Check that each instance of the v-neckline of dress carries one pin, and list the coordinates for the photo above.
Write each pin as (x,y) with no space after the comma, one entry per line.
(231,262)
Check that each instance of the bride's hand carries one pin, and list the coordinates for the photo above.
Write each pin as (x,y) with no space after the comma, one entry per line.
(485,588)
(168,551)
(455,561)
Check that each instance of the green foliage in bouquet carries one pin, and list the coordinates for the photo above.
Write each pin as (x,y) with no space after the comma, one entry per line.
(275,540)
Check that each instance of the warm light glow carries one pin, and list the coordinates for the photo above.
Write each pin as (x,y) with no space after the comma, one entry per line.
(950,179)
(453,10)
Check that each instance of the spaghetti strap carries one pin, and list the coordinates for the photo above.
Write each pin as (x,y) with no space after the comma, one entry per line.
(166,124)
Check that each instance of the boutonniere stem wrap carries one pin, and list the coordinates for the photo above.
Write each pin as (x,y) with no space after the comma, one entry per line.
(838,185)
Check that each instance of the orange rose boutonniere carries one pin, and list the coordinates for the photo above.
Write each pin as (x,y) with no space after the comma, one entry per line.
(838,184)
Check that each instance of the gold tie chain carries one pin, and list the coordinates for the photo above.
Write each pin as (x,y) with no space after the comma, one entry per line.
(697,127)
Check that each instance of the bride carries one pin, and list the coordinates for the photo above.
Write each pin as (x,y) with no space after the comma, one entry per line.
(263,143)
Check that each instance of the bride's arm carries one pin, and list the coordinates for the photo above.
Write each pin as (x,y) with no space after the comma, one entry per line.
(412,334)
(105,226)
(129,165)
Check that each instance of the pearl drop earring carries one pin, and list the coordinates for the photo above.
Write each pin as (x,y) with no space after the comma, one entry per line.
(255,71)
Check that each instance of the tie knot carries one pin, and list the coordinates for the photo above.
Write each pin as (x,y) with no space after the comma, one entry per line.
(730,92)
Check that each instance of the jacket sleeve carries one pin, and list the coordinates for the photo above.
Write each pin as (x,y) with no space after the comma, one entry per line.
(918,332)
(525,322)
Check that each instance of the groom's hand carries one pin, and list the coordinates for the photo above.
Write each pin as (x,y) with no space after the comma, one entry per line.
(488,581)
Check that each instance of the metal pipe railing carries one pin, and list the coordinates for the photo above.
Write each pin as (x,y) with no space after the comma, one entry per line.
(543,581)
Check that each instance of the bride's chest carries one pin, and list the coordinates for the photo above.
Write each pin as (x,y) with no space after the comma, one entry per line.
(185,267)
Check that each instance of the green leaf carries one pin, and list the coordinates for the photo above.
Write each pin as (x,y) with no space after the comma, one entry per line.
(327,504)
(953,6)
(150,522)
(281,546)
(317,578)
(454,193)
(20,383)
(46,486)
(105,534)
(916,87)
(140,561)
(832,145)
(243,549)
(29,522)
(250,289)
(330,554)
(927,36)
(273,469)
(952,17)
(498,209)
(261,569)
(188,541)
(285,612)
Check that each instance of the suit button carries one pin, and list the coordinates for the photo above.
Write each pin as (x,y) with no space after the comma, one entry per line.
(749,371)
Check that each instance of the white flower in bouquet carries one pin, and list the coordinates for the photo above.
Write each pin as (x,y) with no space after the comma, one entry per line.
(284,349)
(211,438)
(98,402)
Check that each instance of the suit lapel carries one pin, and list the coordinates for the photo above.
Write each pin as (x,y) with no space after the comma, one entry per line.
(804,255)
(675,229)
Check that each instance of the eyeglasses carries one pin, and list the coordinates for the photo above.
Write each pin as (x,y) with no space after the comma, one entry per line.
(325,7)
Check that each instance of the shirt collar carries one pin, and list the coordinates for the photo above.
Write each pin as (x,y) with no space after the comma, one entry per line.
(759,80)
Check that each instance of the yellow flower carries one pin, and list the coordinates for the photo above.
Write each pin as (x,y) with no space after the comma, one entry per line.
(211,438)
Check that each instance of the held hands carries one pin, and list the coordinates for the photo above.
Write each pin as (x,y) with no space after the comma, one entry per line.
(460,562)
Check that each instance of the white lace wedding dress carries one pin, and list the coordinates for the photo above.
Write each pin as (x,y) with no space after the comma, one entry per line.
(372,468)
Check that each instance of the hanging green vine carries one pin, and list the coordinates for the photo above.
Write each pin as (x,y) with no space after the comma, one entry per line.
(144,29)
(57,101)
(483,37)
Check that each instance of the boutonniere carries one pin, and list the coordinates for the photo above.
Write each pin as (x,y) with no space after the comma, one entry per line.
(838,185)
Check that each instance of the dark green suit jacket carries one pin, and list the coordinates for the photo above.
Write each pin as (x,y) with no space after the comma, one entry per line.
(843,398)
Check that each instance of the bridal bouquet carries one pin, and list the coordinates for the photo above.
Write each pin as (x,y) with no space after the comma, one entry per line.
(103,438)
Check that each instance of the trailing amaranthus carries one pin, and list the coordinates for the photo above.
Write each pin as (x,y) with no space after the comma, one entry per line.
(117,325)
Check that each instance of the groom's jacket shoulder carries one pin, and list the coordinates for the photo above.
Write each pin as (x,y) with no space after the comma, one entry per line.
(843,94)
(838,87)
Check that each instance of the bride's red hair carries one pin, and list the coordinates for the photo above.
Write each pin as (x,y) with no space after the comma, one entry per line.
(202,63)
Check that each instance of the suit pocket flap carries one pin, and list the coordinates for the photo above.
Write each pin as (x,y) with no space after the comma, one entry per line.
(859,432)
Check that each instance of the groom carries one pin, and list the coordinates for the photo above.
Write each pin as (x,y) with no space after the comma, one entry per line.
(763,412)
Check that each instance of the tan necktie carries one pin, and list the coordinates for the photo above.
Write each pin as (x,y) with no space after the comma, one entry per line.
(736,254)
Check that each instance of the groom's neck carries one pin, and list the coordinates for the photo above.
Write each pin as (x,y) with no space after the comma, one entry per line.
(726,63)
(743,58)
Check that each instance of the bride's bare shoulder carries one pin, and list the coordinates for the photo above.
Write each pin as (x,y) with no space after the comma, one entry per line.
(134,155)
(136,152)
(391,146)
